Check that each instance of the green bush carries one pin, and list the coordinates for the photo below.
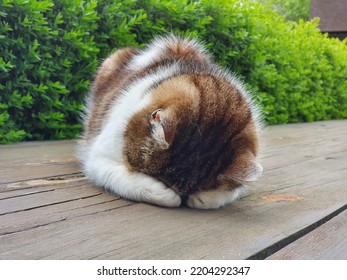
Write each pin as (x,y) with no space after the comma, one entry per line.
(50,51)
(302,74)
(48,55)
(292,9)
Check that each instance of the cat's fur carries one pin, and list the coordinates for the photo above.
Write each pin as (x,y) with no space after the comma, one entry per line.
(165,125)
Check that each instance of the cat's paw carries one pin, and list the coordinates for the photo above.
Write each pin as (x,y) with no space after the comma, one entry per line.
(202,200)
(212,199)
(157,193)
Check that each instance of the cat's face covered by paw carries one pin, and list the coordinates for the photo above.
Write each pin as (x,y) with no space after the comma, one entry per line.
(196,134)
(172,114)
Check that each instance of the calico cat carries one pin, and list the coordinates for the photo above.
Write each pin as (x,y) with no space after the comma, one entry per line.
(166,125)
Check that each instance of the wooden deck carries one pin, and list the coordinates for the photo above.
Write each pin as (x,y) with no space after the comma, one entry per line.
(297,210)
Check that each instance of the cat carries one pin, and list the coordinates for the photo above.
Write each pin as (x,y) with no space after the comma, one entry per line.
(167,126)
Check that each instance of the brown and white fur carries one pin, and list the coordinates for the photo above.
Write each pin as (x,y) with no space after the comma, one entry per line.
(165,124)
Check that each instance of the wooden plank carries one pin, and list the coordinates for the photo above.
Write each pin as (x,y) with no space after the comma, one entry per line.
(39,169)
(36,149)
(23,188)
(304,180)
(280,143)
(53,212)
(34,160)
(46,197)
(327,242)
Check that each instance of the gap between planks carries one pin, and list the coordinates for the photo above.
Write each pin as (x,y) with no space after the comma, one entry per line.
(274,248)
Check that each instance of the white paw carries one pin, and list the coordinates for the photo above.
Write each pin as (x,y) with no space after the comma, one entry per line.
(157,193)
(212,199)
(202,200)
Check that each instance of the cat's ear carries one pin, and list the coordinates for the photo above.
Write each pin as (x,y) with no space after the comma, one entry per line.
(163,128)
(244,168)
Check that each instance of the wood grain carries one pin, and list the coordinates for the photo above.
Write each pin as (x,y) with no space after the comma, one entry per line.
(49,211)
(327,242)
(34,160)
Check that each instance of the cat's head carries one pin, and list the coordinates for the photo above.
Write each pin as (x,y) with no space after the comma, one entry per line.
(198,132)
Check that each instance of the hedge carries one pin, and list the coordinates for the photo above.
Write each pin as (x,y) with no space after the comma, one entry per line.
(291,9)
(50,51)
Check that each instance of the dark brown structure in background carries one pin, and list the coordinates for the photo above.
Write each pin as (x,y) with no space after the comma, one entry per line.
(333,16)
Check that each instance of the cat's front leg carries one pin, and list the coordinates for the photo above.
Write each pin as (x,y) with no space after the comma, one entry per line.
(213,199)
(116,178)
